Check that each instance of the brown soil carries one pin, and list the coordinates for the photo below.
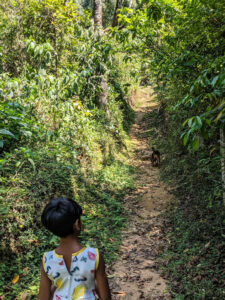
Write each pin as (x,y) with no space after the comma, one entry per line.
(136,273)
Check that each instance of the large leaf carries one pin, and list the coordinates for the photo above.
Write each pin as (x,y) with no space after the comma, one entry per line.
(7,132)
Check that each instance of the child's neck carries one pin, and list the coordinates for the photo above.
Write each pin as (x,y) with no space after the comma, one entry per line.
(69,244)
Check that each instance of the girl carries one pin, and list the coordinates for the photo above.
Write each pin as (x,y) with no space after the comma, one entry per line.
(75,271)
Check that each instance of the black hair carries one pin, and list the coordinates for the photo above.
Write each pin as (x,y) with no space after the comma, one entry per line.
(59,216)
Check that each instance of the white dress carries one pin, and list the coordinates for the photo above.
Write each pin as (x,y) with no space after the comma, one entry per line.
(79,283)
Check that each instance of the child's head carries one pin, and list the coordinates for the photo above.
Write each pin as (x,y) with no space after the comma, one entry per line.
(59,216)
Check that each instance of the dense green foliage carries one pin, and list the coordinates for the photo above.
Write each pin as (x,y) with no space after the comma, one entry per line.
(193,261)
(184,52)
(182,48)
(55,138)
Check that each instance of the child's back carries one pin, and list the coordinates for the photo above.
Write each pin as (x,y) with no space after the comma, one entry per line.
(71,271)
(79,280)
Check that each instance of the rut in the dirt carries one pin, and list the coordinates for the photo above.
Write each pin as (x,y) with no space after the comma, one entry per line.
(136,273)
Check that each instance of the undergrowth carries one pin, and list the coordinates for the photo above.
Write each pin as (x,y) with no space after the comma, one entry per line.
(194,260)
(57,135)
(28,189)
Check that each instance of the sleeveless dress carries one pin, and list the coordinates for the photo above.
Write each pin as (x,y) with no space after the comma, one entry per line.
(79,283)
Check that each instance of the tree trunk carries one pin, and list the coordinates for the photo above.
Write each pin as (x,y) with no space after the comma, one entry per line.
(103,97)
(131,4)
(222,154)
(98,13)
(115,18)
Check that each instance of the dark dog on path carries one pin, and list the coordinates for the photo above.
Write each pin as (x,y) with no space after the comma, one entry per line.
(155,158)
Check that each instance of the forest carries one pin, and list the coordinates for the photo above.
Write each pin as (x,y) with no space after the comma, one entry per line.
(69,70)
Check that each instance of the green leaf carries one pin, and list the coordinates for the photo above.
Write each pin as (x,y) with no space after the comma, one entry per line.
(208,122)
(27,133)
(212,150)
(214,81)
(4,210)
(18,163)
(186,137)
(185,122)
(7,132)
(190,122)
(1,144)
(199,121)
(32,163)
(53,239)
(195,143)
(192,88)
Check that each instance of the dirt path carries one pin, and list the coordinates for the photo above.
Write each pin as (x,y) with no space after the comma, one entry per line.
(136,273)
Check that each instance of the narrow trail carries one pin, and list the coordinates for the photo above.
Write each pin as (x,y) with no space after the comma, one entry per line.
(136,273)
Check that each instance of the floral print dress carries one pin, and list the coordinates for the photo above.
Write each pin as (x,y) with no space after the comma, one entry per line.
(79,283)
